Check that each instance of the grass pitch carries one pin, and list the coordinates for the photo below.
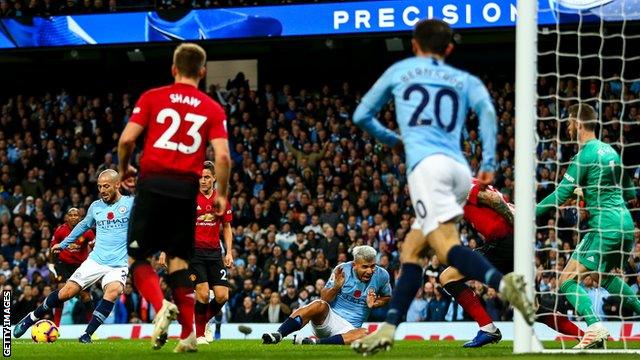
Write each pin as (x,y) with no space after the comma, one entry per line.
(253,349)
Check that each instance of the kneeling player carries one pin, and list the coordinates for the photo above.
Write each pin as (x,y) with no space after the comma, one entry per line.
(107,262)
(352,291)
(490,215)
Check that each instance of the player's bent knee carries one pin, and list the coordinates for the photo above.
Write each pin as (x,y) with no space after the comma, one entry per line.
(354,335)
(412,247)
(221,294)
(69,290)
(202,292)
(112,290)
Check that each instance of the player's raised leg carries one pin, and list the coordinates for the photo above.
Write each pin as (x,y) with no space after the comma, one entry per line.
(55,299)
(111,291)
(596,334)
(317,311)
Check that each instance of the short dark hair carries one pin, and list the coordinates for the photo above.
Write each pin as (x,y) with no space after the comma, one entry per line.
(585,114)
(189,58)
(208,165)
(433,35)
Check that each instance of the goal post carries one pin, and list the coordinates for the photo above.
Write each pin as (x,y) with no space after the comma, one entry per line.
(524,168)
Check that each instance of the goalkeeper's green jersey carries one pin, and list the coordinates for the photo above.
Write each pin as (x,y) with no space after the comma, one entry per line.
(597,169)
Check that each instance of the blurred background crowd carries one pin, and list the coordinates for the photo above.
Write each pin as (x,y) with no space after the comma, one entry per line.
(307,186)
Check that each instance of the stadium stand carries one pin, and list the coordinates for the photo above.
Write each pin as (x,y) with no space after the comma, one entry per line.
(307,186)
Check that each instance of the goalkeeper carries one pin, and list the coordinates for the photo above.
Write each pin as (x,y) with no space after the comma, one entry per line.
(598,171)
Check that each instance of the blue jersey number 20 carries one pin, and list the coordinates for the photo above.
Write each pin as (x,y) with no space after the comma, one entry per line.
(415,118)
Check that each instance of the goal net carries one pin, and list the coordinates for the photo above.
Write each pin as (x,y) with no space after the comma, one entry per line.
(588,52)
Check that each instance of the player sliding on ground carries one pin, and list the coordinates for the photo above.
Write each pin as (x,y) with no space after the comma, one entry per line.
(107,262)
(432,100)
(598,171)
(177,121)
(492,216)
(352,291)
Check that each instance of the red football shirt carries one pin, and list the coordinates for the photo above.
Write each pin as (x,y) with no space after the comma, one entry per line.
(491,225)
(208,224)
(75,256)
(179,120)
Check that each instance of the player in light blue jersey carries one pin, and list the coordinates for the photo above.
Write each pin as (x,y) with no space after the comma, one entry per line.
(107,262)
(352,291)
(432,100)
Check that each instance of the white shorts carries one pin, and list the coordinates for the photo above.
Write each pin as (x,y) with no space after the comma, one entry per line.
(439,186)
(91,272)
(334,324)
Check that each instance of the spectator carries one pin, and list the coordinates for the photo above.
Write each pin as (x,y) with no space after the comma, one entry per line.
(276,311)
(418,308)
(493,304)
(437,307)
(247,313)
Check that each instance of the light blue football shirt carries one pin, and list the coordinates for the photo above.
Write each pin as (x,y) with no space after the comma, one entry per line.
(112,225)
(432,100)
(351,301)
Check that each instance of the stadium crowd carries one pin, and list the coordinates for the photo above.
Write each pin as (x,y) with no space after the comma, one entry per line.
(307,186)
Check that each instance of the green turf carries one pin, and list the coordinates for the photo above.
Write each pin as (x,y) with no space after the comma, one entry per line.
(252,349)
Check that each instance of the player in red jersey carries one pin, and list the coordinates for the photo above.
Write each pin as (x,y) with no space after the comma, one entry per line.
(491,215)
(66,262)
(177,121)
(208,268)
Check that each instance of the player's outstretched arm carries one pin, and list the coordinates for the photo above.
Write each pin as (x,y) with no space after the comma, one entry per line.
(564,191)
(365,114)
(496,202)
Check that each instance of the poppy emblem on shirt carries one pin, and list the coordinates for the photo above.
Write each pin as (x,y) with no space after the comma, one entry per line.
(208,208)
(110,216)
(357,294)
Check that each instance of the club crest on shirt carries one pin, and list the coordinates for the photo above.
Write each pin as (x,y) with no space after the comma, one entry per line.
(122,209)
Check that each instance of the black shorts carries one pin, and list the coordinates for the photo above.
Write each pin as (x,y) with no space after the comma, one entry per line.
(163,218)
(64,271)
(207,266)
(499,253)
